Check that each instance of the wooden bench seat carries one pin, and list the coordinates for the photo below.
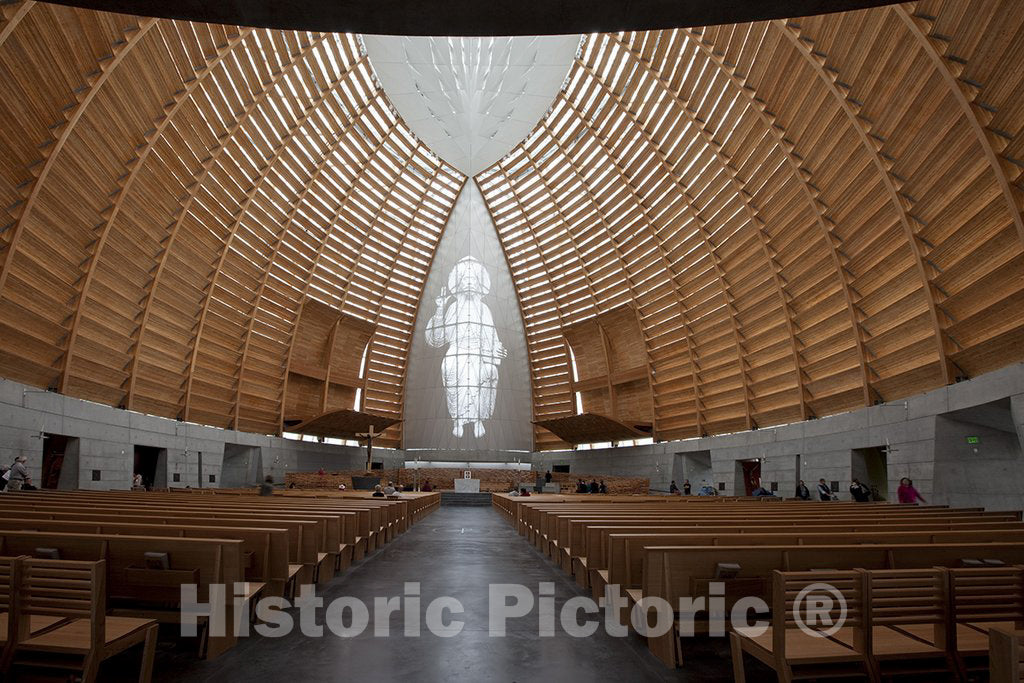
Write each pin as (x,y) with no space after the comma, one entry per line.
(75,593)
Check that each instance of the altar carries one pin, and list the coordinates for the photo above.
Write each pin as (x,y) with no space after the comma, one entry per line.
(467,486)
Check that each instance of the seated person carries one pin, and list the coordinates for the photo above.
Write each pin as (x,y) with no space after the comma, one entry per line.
(426,488)
(341,487)
(860,492)
(377,493)
(706,490)
(672,488)
(389,489)
(594,488)
(524,492)
(602,488)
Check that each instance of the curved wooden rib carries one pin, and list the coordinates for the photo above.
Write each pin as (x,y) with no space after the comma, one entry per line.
(13,18)
(85,98)
(684,313)
(705,234)
(342,205)
(135,166)
(562,322)
(264,174)
(899,201)
(811,193)
(279,238)
(186,203)
(918,27)
(753,216)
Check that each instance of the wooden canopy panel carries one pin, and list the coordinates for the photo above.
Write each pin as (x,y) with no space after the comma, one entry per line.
(613,376)
(345,424)
(592,428)
(808,215)
(172,192)
(324,370)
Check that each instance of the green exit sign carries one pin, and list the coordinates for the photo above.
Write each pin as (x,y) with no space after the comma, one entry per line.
(973,439)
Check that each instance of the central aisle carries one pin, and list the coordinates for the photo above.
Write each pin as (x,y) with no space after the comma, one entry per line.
(457,552)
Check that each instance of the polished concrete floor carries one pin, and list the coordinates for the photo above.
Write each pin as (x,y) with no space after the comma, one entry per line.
(458,552)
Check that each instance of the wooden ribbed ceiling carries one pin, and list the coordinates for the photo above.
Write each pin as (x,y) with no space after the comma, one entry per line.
(807,216)
(172,192)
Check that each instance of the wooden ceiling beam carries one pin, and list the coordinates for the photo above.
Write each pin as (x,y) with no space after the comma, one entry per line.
(724,286)
(919,28)
(84,97)
(250,195)
(900,201)
(193,191)
(150,140)
(673,273)
(811,193)
(13,14)
(753,217)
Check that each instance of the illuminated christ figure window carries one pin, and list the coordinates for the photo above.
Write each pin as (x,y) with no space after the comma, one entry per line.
(470,366)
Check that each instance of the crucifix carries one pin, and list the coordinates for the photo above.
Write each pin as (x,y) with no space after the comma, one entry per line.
(368,435)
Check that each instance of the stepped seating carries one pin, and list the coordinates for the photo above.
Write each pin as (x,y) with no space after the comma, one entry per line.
(261,546)
(673,548)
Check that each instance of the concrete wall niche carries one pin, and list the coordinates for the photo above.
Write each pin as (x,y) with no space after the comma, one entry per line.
(694,466)
(243,466)
(978,457)
(59,465)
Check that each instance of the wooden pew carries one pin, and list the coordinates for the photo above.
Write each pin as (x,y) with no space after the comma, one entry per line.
(626,551)
(1006,655)
(595,548)
(134,590)
(792,651)
(74,592)
(676,572)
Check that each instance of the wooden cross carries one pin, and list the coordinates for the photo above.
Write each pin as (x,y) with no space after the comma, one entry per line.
(368,435)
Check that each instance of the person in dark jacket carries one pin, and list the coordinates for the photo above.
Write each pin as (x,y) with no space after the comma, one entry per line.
(686,487)
(672,488)
(802,492)
(860,492)
(602,488)
(267,487)
(824,491)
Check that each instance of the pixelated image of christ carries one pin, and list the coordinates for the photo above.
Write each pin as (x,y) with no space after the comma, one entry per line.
(469,370)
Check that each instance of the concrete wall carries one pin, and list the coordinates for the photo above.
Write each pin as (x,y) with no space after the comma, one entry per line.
(921,434)
(926,436)
(104,439)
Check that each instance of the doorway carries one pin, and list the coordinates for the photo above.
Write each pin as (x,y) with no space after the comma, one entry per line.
(749,473)
(54,450)
(870,465)
(146,460)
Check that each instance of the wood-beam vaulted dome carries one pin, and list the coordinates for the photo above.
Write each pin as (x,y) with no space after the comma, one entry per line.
(809,215)
(172,192)
(806,216)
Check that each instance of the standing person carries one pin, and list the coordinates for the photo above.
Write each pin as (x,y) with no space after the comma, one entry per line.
(824,492)
(859,491)
(602,488)
(19,474)
(672,488)
(267,487)
(907,494)
(547,477)
(686,487)
(802,492)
